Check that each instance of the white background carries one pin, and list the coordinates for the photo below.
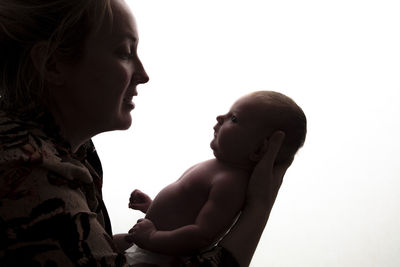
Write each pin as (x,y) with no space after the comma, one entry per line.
(340,60)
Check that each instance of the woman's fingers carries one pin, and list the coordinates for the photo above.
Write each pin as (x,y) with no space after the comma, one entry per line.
(280,170)
(265,167)
(273,146)
(267,177)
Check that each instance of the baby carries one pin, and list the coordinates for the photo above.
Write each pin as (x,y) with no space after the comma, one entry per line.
(195,212)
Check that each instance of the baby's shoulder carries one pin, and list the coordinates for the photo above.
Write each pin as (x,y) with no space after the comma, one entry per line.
(226,174)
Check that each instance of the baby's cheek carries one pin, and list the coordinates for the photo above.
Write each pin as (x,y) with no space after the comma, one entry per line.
(228,142)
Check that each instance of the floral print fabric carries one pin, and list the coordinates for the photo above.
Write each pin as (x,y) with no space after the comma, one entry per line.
(51,208)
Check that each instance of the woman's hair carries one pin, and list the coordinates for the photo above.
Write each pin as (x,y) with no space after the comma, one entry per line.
(282,113)
(62,25)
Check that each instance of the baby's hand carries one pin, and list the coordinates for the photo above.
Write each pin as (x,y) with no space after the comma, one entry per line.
(141,233)
(139,201)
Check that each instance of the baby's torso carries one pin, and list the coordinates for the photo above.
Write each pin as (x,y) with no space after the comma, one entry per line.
(179,203)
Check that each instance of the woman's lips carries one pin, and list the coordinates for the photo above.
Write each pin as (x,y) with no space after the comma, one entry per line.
(128,102)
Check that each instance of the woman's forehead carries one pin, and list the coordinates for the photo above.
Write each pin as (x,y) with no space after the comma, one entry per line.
(120,25)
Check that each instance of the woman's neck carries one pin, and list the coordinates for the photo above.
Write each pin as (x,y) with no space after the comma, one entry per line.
(71,126)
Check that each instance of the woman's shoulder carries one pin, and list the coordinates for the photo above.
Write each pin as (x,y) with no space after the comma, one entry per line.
(48,200)
(19,139)
(25,146)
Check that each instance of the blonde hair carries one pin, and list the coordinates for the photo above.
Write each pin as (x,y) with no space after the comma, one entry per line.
(63,25)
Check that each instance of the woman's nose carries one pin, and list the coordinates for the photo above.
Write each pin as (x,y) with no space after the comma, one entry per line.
(144,77)
(140,76)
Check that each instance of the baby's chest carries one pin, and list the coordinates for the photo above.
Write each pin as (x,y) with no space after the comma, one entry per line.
(193,189)
(178,204)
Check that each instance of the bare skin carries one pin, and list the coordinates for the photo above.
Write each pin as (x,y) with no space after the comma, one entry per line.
(193,212)
(196,211)
(95,94)
(262,190)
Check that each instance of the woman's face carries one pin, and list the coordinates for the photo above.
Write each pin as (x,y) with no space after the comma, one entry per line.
(98,90)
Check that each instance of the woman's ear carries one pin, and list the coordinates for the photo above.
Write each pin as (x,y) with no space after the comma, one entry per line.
(47,66)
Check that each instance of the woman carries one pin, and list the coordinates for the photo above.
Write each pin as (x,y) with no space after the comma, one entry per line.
(69,70)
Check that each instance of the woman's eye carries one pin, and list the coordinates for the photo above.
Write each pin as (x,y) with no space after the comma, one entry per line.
(234,119)
(127,52)
(127,55)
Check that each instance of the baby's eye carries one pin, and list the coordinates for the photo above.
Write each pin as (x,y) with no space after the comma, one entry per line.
(234,119)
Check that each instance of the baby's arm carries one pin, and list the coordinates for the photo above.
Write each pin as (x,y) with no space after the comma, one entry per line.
(139,201)
(224,202)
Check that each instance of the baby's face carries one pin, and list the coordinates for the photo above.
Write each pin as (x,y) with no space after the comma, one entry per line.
(240,133)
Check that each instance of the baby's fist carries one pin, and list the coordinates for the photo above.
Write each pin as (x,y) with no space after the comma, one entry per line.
(139,201)
(141,233)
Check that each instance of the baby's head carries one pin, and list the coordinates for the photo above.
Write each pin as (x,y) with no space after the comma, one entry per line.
(240,134)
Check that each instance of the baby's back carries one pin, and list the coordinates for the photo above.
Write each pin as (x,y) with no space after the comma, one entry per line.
(179,203)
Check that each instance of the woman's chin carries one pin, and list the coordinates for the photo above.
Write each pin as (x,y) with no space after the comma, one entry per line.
(122,122)
(119,121)
(126,122)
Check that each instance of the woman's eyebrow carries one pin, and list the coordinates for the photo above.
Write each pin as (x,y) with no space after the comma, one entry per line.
(129,36)
(118,39)
(123,36)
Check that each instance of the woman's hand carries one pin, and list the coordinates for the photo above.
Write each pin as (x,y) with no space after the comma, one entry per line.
(267,177)
(139,201)
(262,190)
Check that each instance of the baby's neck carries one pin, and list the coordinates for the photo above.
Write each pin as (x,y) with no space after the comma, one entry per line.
(247,167)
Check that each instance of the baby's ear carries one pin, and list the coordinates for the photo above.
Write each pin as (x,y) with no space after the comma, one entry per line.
(259,152)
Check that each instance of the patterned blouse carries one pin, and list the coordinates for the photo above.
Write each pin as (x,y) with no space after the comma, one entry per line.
(51,207)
